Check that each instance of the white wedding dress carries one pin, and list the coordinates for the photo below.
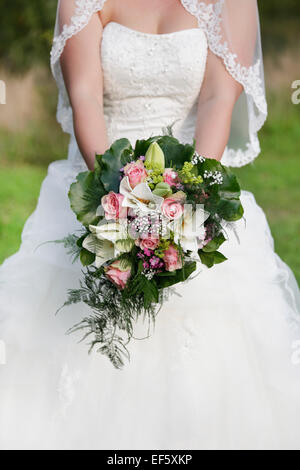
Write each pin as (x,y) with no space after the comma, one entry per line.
(220,371)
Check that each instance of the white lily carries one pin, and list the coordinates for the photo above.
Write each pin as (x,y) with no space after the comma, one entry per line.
(112,237)
(189,227)
(103,249)
(141,197)
(112,231)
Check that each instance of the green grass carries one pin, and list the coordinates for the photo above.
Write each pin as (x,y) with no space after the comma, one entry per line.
(19,189)
(273,177)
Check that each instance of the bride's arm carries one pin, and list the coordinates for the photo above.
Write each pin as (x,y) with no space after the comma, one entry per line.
(81,67)
(218,96)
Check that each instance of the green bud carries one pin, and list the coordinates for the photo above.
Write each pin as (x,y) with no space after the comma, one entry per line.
(155,157)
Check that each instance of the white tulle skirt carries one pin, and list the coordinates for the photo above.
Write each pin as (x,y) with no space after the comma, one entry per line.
(220,371)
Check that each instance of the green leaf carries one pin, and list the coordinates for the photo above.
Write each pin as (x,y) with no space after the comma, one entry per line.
(162,190)
(226,195)
(81,239)
(175,153)
(210,259)
(140,267)
(215,244)
(110,163)
(167,140)
(219,258)
(230,209)
(140,285)
(85,197)
(167,274)
(175,277)
(86,257)
(151,294)
(142,146)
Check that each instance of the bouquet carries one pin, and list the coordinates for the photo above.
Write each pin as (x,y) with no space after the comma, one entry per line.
(150,214)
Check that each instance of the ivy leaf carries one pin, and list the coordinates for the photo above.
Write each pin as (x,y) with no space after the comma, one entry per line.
(86,257)
(175,277)
(210,259)
(110,163)
(226,196)
(230,207)
(85,197)
(215,244)
(175,154)
(230,210)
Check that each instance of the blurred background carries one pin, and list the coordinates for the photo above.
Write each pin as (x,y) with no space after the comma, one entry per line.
(30,138)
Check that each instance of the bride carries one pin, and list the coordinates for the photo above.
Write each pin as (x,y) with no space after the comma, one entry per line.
(220,371)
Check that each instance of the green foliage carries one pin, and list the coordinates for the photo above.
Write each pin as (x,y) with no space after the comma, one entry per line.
(162,189)
(86,257)
(85,197)
(86,193)
(215,244)
(109,164)
(142,146)
(225,201)
(189,174)
(168,279)
(110,324)
(175,153)
(72,245)
(140,286)
(211,258)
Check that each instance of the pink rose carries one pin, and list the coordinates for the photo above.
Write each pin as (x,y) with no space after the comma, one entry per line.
(172,208)
(148,242)
(112,205)
(170,177)
(172,259)
(118,274)
(136,173)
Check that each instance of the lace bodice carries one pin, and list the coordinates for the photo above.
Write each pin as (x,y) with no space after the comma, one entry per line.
(151,81)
